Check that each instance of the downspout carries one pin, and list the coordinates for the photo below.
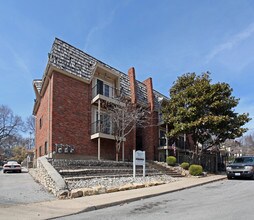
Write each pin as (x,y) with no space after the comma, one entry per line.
(49,118)
(123,137)
(167,140)
(99,120)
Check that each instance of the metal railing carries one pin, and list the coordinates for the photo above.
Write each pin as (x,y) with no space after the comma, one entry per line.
(163,142)
(99,126)
(104,90)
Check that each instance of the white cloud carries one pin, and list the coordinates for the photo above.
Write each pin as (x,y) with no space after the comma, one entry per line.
(15,62)
(106,22)
(231,43)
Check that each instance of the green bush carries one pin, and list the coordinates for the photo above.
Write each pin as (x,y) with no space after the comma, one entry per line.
(185,165)
(195,170)
(171,160)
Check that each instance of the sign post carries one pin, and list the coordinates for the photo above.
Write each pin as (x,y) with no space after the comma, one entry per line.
(28,159)
(139,160)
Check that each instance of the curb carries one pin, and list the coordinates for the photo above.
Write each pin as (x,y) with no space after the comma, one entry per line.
(98,207)
(92,208)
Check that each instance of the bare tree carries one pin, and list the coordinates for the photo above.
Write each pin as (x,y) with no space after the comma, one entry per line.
(124,116)
(30,124)
(10,124)
(248,144)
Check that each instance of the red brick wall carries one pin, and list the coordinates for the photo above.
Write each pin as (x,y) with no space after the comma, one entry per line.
(132,77)
(151,137)
(71,114)
(72,118)
(149,86)
(129,145)
(42,132)
(108,149)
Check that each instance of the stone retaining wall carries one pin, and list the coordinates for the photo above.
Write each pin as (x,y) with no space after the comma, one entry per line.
(49,177)
(67,163)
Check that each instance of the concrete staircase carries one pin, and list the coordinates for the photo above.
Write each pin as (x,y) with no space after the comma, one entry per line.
(89,169)
(165,169)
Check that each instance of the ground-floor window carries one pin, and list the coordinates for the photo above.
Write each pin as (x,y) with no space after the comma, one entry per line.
(40,151)
(46,148)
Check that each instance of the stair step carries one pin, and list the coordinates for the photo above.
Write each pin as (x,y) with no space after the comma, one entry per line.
(100,172)
(106,176)
(72,170)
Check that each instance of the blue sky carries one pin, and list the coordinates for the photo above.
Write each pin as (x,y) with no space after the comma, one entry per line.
(162,39)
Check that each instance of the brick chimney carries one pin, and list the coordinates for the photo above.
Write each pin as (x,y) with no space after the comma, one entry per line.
(149,86)
(131,73)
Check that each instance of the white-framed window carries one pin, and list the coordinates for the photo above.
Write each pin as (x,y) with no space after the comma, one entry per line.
(46,148)
(41,122)
(104,88)
(40,151)
(163,140)
(107,90)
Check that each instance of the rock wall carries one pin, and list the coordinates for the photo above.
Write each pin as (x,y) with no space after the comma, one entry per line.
(49,177)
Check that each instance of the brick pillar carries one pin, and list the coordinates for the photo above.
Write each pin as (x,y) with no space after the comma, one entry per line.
(151,138)
(149,86)
(131,73)
(132,77)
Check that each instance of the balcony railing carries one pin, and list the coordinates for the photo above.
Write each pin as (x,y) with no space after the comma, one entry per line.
(105,90)
(160,118)
(102,127)
(163,142)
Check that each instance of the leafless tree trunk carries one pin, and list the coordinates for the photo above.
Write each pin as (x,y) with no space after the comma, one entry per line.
(10,124)
(30,124)
(125,116)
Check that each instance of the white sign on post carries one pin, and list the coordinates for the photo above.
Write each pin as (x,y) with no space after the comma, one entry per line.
(28,159)
(139,160)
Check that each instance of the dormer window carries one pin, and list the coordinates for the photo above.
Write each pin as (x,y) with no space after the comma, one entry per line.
(104,88)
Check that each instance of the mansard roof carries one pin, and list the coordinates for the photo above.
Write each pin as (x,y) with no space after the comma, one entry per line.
(74,61)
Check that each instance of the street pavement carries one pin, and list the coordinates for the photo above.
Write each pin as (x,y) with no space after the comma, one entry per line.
(20,188)
(58,208)
(227,200)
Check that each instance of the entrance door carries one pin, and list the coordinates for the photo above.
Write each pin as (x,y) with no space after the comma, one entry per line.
(139,140)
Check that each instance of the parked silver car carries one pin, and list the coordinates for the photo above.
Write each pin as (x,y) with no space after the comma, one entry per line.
(12,166)
(241,167)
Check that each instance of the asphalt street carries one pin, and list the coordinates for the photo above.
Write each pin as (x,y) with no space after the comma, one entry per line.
(228,199)
(20,188)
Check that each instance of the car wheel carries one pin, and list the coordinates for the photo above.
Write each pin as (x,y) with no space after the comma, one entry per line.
(4,171)
(229,177)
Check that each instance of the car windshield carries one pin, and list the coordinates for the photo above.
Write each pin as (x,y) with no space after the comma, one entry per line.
(243,160)
(12,162)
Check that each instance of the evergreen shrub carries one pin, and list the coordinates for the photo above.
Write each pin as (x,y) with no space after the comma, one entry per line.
(171,160)
(185,165)
(195,170)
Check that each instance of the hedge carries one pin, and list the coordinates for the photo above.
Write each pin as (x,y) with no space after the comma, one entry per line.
(171,160)
(185,165)
(195,170)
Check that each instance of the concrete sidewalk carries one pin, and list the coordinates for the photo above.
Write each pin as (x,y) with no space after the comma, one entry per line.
(57,208)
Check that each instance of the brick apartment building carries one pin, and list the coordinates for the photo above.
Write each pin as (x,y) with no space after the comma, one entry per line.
(68,102)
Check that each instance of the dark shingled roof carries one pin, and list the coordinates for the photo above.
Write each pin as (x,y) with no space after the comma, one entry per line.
(72,60)
(38,84)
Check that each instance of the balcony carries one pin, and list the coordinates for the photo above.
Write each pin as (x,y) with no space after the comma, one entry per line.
(106,93)
(160,119)
(103,129)
(104,89)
